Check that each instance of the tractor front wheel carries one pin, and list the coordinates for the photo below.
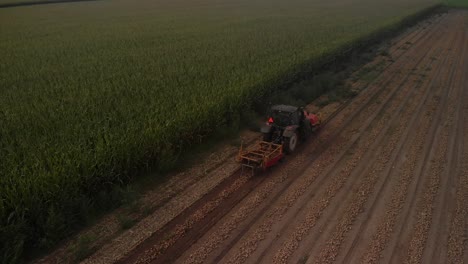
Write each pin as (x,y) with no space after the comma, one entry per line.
(290,143)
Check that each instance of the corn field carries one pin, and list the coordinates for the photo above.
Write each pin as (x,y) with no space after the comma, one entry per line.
(93,93)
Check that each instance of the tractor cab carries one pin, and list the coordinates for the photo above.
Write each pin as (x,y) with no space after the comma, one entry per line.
(284,115)
(287,124)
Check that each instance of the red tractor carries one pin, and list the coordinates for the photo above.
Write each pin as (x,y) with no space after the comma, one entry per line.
(287,125)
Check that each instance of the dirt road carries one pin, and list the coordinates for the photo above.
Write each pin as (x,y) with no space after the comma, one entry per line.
(386,180)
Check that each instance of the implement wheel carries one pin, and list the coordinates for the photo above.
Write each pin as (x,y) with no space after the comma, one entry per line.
(290,143)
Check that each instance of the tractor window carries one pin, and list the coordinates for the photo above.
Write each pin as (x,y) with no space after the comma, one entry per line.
(281,118)
(295,118)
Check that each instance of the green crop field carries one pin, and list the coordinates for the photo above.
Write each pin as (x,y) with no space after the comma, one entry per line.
(92,93)
(457,3)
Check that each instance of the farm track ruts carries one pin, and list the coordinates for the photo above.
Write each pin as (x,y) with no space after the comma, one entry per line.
(382,181)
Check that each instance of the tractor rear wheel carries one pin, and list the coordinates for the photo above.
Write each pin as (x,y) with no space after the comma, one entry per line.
(290,143)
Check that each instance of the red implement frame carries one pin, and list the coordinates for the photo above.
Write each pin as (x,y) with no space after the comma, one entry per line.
(262,155)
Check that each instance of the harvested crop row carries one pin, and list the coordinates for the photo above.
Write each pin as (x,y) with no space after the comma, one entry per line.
(439,170)
(399,192)
(330,250)
(402,161)
(436,245)
(409,214)
(402,172)
(382,158)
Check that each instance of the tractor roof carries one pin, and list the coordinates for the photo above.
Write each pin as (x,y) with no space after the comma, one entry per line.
(284,108)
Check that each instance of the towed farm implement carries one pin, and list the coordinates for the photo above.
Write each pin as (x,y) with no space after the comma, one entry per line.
(286,126)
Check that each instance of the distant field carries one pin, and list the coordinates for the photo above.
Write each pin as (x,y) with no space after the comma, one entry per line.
(93,92)
(458,3)
(5,2)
